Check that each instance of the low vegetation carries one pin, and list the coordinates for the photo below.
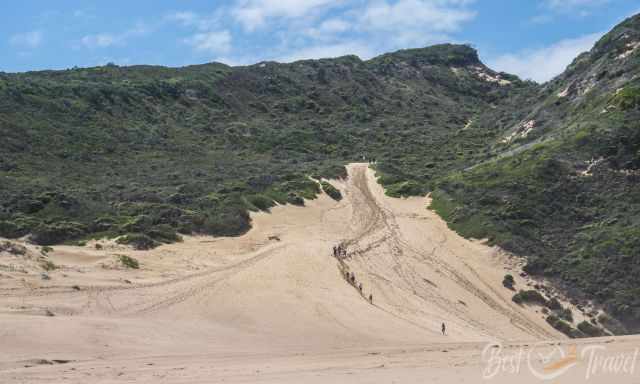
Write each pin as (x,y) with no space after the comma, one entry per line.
(590,330)
(11,248)
(529,297)
(564,327)
(332,191)
(508,281)
(129,262)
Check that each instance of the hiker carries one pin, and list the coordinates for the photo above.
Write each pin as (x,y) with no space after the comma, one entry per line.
(444,329)
(353,278)
(360,288)
(371,298)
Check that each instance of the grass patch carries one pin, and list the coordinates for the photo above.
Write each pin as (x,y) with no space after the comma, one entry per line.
(332,191)
(129,262)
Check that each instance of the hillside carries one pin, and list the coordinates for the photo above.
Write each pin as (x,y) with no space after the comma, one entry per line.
(151,150)
(564,188)
(147,153)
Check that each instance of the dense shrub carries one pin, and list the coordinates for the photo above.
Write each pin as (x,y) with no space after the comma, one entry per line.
(554,304)
(590,329)
(164,234)
(529,297)
(564,327)
(294,199)
(260,202)
(508,281)
(56,233)
(129,262)
(332,191)
(565,314)
(405,189)
(138,241)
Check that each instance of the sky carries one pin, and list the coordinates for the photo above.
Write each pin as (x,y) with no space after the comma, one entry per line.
(534,39)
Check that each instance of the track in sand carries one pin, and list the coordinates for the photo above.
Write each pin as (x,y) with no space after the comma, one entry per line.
(272,306)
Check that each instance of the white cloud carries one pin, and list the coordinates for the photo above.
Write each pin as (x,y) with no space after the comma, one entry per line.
(572,4)
(101,40)
(31,39)
(304,29)
(254,14)
(431,15)
(547,62)
(328,29)
(186,18)
(192,19)
(105,40)
(216,42)
(580,8)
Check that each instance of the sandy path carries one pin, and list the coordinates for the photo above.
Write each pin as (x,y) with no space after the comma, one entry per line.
(260,309)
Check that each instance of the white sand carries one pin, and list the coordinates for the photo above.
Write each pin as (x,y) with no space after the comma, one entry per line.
(255,309)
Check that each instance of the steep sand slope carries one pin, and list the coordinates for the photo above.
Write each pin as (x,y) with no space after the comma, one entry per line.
(273,305)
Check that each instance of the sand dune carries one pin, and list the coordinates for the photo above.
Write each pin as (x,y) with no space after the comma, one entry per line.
(273,306)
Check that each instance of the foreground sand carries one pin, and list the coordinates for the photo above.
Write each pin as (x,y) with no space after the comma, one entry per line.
(272,305)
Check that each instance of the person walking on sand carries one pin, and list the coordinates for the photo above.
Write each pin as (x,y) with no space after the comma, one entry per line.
(360,288)
(371,298)
(444,329)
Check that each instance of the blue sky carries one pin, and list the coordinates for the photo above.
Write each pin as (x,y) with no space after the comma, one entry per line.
(532,38)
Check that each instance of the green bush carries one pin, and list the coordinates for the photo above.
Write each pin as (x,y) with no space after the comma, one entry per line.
(163,233)
(628,98)
(590,329)
(554,304)
(529,297)
(565,314)
(508,281)
(405,189)
(137,224)
(612,324)
(260,202)
(294,199)
(129,262)
(138,241)
(564,327)
(56,233)
(11,230)
(332,191)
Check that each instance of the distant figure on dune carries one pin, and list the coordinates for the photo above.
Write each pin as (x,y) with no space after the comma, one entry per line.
(371,298)
(444,329)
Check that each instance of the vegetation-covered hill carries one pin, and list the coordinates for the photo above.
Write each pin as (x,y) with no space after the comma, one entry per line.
(151,151)
(563,184)
(547,171)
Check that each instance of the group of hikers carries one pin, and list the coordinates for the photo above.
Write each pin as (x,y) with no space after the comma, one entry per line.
(371,160)
(351,279)
(340,253)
